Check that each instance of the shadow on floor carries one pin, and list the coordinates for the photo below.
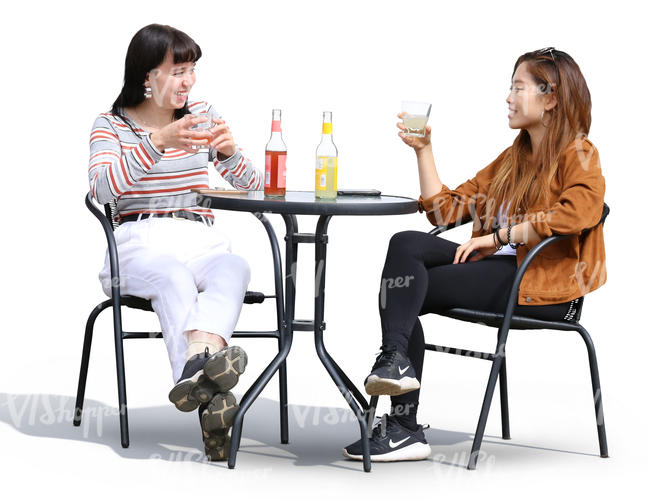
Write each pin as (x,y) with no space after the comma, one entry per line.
(317,434)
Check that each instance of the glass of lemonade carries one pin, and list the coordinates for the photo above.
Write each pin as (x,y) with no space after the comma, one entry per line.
(415,117)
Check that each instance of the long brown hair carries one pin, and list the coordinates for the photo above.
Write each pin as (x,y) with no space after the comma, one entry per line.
(526,180)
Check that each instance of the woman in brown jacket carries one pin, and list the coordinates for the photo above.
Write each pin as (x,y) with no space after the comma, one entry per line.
(548,182)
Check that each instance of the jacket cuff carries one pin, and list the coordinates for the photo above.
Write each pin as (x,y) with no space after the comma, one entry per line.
(539,222)
(427,204)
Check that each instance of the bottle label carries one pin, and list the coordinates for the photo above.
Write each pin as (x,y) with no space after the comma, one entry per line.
(267,170)
(326,171)
(276,126)
(282,171)
(275,161)
(327,128)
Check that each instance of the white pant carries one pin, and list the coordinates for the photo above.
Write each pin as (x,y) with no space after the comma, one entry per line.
(187,271)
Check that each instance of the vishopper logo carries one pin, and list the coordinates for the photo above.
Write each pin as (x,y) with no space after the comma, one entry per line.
(160,203)
(332,416)
(322,415)
(484,462)
(392,283)
(542,88)
(585,157)
(459,207)
(160,91)
(26,411)
(464,209)
(191,455)
(589,276)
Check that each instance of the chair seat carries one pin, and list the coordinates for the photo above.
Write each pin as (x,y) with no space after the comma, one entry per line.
(139,303)
(496,319)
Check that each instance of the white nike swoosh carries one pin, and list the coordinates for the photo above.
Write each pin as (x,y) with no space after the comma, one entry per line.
(402,371)
(395,444)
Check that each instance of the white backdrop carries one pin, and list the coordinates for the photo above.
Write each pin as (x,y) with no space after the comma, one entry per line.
(64,65)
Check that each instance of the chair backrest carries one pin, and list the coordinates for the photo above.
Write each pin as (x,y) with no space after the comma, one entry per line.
(110,209)
(605,214)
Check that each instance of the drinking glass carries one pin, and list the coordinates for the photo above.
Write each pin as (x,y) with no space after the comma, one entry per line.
(211,122)
(415,117)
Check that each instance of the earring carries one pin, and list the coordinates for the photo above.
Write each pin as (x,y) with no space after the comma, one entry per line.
(542,119)
(147,92)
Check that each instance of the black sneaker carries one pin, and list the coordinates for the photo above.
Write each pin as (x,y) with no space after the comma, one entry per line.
(216,420)
(392,374)
(390,441)
(193,388)
(224,367)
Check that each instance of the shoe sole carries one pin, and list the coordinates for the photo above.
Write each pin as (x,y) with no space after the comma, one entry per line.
(413,452)
(224,367)
(380,386)
(216,421)
(189,393)
(218,453)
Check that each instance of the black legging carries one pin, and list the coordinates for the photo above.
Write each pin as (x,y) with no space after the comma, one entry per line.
(419,278)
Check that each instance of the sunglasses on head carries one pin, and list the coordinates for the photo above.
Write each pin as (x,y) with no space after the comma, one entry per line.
(549,51)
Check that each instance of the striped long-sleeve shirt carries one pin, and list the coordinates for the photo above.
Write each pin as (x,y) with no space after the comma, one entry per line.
(126,167)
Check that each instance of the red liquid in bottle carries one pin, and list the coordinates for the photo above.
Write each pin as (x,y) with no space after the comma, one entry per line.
(275,174)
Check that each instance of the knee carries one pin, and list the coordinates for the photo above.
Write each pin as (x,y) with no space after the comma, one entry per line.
(239,268)
(177,280)
(404,242)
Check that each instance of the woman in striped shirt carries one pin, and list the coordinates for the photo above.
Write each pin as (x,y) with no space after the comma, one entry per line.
(146,156)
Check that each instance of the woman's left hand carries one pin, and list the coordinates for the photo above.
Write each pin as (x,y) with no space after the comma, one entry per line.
(222,139)
(484,246)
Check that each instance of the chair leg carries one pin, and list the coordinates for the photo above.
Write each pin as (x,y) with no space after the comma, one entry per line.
(372,409)
(121,379)
(485,409)
(597,394)
(284,409)
(503,394)
(85,360)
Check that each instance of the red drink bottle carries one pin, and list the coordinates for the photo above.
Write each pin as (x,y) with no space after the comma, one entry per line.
(275,168)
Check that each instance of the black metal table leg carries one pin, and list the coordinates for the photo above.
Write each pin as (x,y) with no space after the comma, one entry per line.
(278,362)
(342,381)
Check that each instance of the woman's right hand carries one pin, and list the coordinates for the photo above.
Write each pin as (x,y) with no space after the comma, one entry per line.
(178,135)
(417,143)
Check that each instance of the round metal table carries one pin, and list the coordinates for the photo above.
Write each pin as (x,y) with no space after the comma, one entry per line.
(296,203)
(305,203)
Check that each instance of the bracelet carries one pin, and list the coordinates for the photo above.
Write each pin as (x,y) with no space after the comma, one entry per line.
(495,237)
(510,243)
(499,238)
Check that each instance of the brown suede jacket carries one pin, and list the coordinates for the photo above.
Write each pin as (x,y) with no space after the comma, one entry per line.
(564,270)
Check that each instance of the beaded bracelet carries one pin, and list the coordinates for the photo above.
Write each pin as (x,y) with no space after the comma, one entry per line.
(510,243)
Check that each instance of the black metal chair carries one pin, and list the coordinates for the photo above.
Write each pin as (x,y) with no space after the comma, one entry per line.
(504,322)
(117,300)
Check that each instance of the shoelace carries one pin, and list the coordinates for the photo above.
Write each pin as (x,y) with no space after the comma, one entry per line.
(385,357)
(387,422)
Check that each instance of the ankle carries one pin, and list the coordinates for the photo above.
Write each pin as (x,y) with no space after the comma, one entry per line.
(198,341)
(405,414)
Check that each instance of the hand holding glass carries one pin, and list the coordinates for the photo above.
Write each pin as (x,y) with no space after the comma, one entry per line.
(204,127)
(415,116)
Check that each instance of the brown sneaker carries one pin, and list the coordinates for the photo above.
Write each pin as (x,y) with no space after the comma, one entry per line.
(193,387)
(216,420)
(224,367)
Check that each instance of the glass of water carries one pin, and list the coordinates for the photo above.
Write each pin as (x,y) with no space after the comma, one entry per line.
(415,117)
(204,126)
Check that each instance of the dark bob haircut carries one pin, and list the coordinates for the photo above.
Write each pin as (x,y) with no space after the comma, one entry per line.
(146,51)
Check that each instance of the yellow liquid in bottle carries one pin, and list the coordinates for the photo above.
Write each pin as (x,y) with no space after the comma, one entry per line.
(326,170)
